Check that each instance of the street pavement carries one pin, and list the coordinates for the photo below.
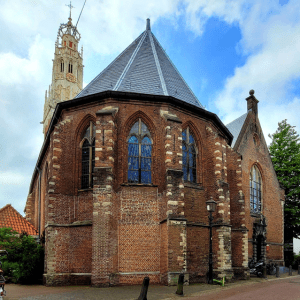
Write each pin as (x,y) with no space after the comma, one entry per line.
(286,287)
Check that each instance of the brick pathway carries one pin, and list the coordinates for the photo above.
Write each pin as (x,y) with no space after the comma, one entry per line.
(155,292)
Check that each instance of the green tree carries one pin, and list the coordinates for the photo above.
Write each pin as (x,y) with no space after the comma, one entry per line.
(285,154)
(25,259)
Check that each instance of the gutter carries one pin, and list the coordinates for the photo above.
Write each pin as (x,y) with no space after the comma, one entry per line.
(39,203)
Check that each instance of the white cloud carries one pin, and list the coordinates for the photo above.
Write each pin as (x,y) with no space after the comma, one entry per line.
(11,178)
(28,32)
(269,38)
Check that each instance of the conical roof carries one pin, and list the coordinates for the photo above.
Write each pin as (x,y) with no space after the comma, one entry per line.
(143,67)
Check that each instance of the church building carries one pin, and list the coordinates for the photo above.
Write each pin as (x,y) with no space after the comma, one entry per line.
(121,184)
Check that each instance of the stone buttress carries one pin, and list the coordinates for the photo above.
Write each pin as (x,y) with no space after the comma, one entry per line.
(175,221)
(104,232)
(221,222)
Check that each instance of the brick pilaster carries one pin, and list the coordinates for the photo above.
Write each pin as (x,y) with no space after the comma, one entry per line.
(176,222)
(104,235)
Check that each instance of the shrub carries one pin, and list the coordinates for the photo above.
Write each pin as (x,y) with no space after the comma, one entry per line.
(24,262)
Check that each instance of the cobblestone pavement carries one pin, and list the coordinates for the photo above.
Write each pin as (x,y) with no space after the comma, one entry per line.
(155,292)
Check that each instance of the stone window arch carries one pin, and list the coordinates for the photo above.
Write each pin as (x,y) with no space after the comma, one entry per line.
(88,156)
(70,70)
(189,156)
(62,66)
(255,190)
(139,153)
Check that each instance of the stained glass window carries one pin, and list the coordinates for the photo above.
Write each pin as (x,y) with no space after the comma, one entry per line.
(139,154)
(88,157)
(255,190)
(188,156)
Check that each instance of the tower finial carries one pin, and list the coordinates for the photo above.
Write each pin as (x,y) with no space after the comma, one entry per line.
(70,6)
(148,24)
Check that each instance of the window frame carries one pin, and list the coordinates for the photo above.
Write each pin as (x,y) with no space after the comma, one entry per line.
(255,190)
(188,145)
(140,137)
(91,156)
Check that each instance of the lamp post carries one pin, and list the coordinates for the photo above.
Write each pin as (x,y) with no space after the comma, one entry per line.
(211,207)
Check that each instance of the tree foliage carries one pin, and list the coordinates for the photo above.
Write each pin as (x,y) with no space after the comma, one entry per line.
(285,154)
(25,259)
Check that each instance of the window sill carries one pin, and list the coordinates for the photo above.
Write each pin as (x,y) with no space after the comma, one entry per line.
(193,185)
(139,184)
(255,214)
(85,190)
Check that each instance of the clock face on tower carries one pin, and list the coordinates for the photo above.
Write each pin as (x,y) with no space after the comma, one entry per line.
(70,77)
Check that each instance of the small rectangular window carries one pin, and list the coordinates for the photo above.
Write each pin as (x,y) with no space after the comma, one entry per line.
(70,44)
(65,43)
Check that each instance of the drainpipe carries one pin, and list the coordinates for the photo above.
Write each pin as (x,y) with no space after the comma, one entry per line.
(39,203)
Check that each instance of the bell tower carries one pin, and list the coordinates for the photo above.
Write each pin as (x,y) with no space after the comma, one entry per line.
(67,72)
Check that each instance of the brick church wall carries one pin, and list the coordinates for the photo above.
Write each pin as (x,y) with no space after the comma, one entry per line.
(126,231)
(256,153)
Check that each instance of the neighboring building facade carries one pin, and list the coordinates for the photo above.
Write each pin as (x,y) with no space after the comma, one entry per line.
(125,171)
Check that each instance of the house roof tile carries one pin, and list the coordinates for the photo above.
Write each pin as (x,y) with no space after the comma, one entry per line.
(9,217)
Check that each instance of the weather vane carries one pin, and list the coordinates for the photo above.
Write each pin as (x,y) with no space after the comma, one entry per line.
(70,6)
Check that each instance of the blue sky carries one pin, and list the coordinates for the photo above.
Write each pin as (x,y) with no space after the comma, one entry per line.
(222,49)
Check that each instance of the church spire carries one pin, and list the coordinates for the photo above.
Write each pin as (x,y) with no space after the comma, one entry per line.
(67,72)
(70,6)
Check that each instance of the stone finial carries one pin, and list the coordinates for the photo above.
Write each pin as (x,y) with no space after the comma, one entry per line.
(252,102)
(148,24)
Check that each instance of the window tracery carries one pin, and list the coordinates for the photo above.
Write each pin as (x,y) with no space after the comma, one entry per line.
(88,157)
(189,156)
(255,190)
(139,154)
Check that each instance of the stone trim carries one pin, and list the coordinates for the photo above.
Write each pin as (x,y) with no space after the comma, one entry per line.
(269,243)
(191,185)
(240,229)
(111,111)
(175,173)
(139,184)
(75,224)
(139,273)
(68,274)
(206,225)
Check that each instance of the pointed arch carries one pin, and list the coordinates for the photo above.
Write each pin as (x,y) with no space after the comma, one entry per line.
(62,65)
(255,189)
(85,151)
(139,148)
(70,67)
(132,119)
(192,153)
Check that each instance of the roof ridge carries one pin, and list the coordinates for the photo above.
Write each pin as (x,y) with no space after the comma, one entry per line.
(177,71)
(79,95)
(237,118)
(161,76)
(4,207)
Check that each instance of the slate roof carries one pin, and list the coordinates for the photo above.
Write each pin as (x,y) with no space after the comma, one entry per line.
(9,217)
(143,67)
(236,126)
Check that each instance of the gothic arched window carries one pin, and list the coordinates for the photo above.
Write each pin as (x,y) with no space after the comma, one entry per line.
(62,67)
(88,157)
(139,154)
(70,68)
(188,156)
(255,190)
